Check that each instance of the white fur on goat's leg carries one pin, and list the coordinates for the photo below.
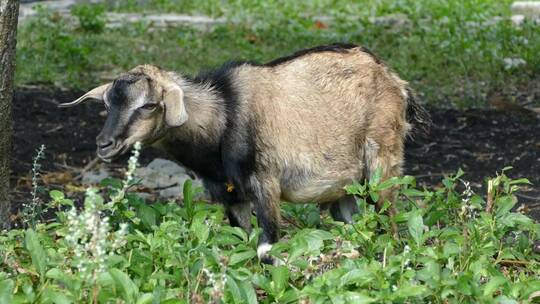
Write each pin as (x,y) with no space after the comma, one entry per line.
(262,253)
(263,249)
(266,203)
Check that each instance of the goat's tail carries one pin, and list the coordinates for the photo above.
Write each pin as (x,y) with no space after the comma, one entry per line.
(417,115)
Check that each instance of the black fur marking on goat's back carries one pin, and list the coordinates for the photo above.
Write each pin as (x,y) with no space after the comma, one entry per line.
(220,79)
(370,53)
(335,47)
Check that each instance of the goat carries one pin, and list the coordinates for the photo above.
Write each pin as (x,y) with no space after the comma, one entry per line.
(297,129)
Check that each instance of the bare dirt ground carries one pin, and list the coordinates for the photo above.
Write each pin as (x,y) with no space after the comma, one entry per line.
(481,142)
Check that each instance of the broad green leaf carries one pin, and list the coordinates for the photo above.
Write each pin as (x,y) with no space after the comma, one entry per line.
(145,298)
(234,290)
(127,288)
(351,297)
(321,235)
(506,300)
(289,296)
(388,183)
(431,273)
(505,204)
(464,284)
(188,197)
(6,290)
(262,281)
(356,276)
(493,284)
(147,215)
(280,277)
(375,177)
(37,253)
(236,231)
(56,195)
(238,257)
(49,295)
(111,182)
(519,181)
(416,226)
(414,192)
(374,196)
(405,180)
(249,292)
(450,249)
(57,275)
(515,219)
(408,290)
(199,227)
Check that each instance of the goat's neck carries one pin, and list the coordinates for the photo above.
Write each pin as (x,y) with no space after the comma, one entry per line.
(206,115)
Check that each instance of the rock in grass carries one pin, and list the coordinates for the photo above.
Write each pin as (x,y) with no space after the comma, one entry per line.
(162,177)
(166,178)
(529,9)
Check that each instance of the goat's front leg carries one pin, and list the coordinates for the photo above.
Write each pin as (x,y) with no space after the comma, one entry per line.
(266,197)
(237,207)
(239,214)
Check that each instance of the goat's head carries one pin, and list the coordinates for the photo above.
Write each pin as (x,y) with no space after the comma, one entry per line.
(141,104)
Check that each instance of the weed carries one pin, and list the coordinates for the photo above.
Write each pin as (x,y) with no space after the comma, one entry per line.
(452,248)
(34,209)
(91,17)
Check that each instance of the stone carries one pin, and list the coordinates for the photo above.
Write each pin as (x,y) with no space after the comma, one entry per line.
(518,20)
(530,9)
(162,20)
(511,63)
(162,177)
(395,22)
(95,177)
(62,7)
(167,179)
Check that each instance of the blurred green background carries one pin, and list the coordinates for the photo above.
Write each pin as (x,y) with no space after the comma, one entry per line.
(454,53)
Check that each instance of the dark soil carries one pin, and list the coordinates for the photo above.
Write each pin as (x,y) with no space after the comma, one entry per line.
(481,142)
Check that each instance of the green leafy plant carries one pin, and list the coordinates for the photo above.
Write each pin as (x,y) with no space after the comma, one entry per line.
(454,246)
(451,52)
(91,17)
(34,208)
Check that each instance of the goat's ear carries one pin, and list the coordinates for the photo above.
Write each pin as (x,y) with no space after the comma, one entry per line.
(96,93)
(175,109)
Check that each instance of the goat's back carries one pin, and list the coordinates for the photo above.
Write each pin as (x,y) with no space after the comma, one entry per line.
(315,113)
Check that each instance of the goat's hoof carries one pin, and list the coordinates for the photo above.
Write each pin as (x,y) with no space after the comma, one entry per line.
(262,253)
(268,260)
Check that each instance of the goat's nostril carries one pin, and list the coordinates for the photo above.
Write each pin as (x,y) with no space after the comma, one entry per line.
(104,144)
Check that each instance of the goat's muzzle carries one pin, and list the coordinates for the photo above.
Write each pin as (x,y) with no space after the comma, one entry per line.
(109,148)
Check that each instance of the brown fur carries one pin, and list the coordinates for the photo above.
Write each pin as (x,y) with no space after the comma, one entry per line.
(321,117)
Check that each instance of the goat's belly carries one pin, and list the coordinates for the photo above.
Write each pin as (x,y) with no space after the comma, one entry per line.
(315,191)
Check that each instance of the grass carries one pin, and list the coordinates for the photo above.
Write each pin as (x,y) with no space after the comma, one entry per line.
(445,53)
(454,246)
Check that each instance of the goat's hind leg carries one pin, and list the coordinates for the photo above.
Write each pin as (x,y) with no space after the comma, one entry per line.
(344,209)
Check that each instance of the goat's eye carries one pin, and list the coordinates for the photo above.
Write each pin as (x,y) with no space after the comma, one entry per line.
(149,106)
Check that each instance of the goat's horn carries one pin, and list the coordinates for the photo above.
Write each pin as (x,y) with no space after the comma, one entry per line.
(96,93)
